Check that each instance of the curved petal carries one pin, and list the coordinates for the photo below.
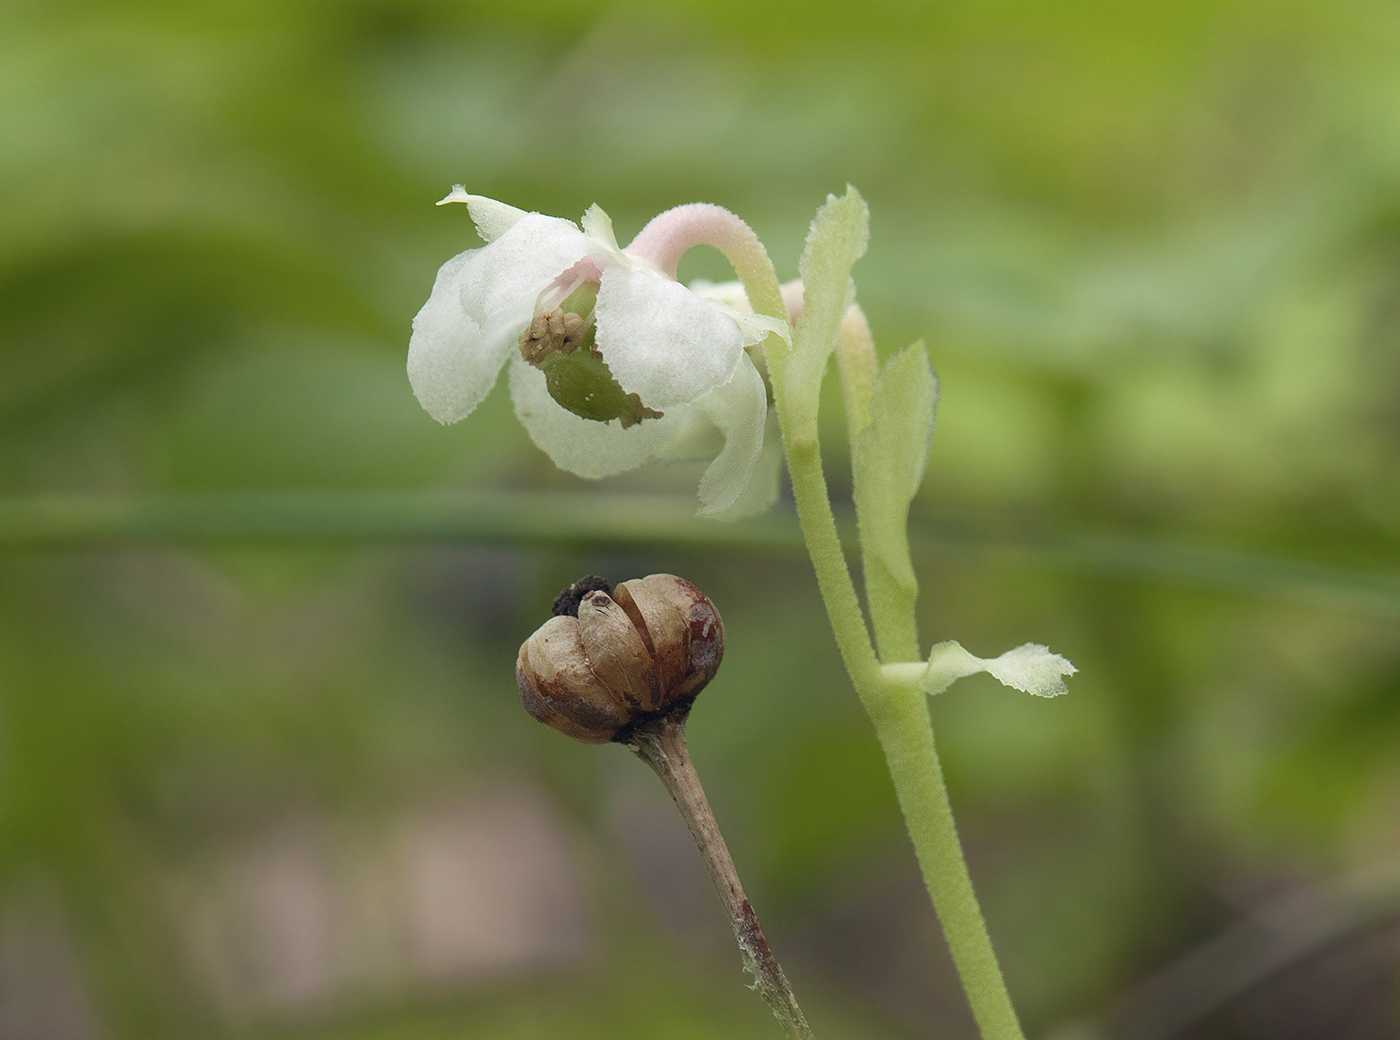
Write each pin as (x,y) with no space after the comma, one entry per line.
(731,294)
(582,446)
(761,491)
(754,328)
(522,261)
(739,409)
(661,341)
(698,438)
(452,361)
(598,226)
(730,300)
(492,219)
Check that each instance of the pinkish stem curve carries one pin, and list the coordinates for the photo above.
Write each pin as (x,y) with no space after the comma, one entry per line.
(669,235)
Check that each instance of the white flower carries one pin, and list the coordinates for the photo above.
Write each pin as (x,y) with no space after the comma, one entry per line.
(612,363)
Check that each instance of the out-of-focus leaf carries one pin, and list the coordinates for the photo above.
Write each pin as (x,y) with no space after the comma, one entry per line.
(838,237)
(889,456)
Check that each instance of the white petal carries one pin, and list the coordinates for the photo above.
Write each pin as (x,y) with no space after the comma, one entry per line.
(724,425)
(1032,668)
(730,300)
(515,267)
(452,362)
(661,341)
(697,439)
(761,491)
(729,293)
(754,328)
(597,225)
(582,446)
(492,219)
(739,409)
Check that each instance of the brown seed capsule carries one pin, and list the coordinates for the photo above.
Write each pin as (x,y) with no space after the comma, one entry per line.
(611,659)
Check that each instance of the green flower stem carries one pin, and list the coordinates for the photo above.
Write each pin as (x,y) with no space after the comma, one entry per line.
(898,708)
(838,593)
(900,713)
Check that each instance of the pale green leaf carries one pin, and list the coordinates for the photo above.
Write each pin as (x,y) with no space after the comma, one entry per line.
(837,239)
(889,456)
(1030,668)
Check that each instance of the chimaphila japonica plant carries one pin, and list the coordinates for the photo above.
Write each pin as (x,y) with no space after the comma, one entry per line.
(614,363)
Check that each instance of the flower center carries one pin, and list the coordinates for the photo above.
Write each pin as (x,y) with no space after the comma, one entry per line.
(559,341)
(553,332)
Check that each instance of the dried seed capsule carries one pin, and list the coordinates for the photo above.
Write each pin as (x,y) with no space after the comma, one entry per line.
(615,649)
(613,658)
(558,686)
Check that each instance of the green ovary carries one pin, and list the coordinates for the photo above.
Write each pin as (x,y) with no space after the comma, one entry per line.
(581,382)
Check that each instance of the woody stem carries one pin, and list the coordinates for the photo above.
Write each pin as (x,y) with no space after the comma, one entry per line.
(661,745)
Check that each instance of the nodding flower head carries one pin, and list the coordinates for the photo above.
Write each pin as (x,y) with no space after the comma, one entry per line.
(613,658)
(613,362)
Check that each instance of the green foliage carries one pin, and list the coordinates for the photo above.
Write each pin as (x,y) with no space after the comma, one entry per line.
(838,238)
(888,459)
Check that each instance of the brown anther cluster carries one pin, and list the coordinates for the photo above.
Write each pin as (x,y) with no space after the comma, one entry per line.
(551,332)
(609,662)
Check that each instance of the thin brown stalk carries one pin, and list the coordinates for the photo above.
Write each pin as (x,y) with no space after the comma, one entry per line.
(661,745)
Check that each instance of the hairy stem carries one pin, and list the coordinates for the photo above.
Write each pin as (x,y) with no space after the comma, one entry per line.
(901,718)
(668,236)
(661,745)
(900,715)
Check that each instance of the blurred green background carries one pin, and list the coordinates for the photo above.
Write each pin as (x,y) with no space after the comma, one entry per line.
(263,772)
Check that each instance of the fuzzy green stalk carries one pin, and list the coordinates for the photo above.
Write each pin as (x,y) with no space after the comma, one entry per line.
(901,717)
(902,724)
